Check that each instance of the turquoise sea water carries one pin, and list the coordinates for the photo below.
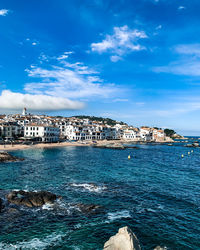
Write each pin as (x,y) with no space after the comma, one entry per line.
(156,194)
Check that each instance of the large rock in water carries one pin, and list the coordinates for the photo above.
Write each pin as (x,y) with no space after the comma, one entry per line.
(87,208)
(1,205)
(6,157)
(31,199)
(125,239)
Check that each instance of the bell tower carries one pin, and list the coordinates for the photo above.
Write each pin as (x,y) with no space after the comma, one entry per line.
(24,111)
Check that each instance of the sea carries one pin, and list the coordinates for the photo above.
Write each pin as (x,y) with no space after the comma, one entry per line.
(156,193)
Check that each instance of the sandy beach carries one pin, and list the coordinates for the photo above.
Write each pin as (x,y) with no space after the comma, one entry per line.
(62,144)
(42,145)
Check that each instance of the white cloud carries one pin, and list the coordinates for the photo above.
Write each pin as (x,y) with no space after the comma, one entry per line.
(69,80)
(65,55)
(188,64)
(30,41)
(16,101)
(62,57)
(120,100)
(58,86)
(159,27)
(181,7)
(4,12)
(122,41)
(188,49)
(115,58)
(188,68)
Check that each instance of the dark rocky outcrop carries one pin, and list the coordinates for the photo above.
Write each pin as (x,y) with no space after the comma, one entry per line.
(110,145)
(30,199)
(1,205)
(87,208)
(125,239)
(13,210)
(195,145)
(160,248)
(6,157)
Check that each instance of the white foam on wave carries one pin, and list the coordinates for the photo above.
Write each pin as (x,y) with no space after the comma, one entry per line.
(48,206)
(119,215)
(35,244)
(89,187)
(161,207)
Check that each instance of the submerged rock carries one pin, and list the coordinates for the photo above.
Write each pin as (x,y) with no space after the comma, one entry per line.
(125,239)
(160,248)
(13,210)
(111,146)
(87,208)
(31,199)
(6,157)
(1,205)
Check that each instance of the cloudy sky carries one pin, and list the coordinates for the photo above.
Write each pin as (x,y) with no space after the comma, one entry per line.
(132,60)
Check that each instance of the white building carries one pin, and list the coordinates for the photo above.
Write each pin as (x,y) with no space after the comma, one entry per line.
(158,135)
(9,130)
(131,134)
(24,112)
(146,133)
(44,133)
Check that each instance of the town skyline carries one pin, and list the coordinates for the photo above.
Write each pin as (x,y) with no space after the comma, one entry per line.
(45,128)
(133,61)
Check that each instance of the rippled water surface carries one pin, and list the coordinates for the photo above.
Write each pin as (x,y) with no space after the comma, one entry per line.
(156,193)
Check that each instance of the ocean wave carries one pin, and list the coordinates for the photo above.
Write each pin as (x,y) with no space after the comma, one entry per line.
(89,187)
(145,210)
(119,215)
(48,206)
(35,244)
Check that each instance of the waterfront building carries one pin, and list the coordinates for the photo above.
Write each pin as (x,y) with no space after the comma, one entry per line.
(9,130)
(44,133)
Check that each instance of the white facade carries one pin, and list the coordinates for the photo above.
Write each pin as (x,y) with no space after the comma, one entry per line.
(146,133)
(158,135)
(130,134)
(42,133)
(9,130)
(88,132)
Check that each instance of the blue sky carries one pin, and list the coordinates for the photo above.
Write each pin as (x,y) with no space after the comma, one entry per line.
(136,61)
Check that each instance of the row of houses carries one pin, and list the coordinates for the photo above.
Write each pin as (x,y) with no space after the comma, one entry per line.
(52,129)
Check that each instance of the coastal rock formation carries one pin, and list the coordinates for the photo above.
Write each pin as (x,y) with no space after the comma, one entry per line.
(110,145)
(1,205)
(125,239)
(6,157)
(31,199)
(87,208)
(160,248)
(195,144)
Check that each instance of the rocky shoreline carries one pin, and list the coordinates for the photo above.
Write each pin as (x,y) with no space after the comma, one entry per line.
(100,143)
(125,239)
(12,201)
(6,157)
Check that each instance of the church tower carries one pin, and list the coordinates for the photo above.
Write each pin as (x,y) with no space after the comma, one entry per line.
(24,112)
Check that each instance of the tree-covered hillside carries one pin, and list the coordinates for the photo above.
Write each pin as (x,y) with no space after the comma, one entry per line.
(101,119)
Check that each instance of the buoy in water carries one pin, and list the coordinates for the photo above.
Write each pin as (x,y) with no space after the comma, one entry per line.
(189,153)
(182,156)
(129,157)
(192,151)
